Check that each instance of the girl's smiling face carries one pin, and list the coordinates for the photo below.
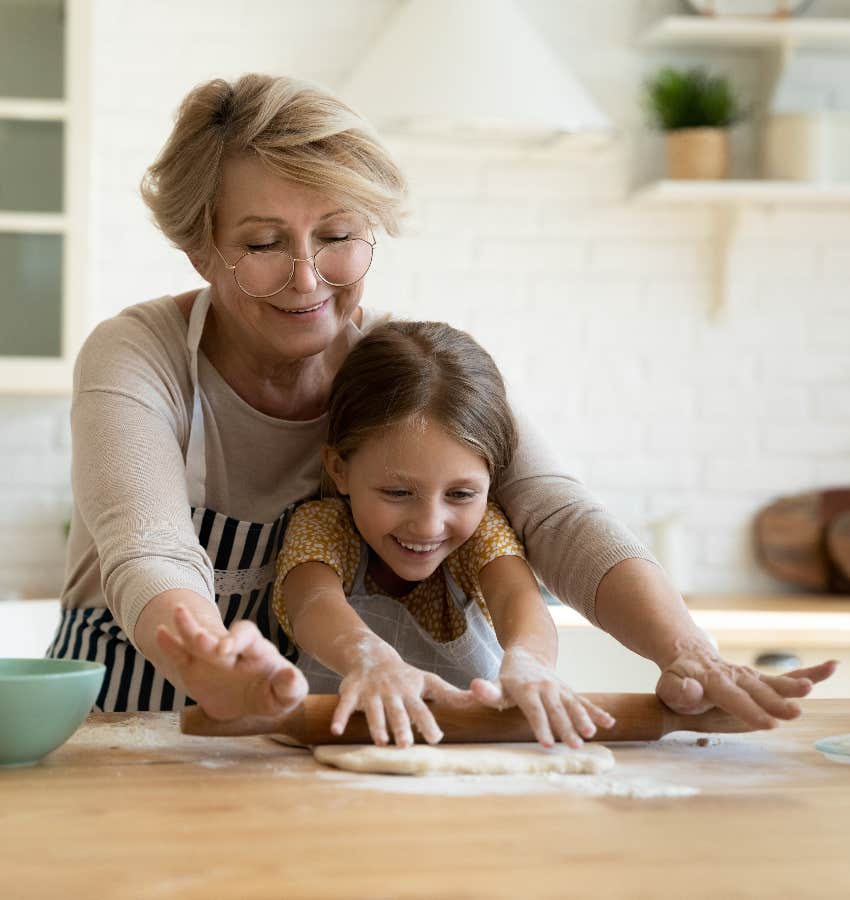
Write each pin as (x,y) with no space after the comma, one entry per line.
(416,495)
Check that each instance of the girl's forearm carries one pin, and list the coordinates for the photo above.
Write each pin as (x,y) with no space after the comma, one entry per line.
(520,617)
(637,604)
(352,645)
(534,635)
(314,597)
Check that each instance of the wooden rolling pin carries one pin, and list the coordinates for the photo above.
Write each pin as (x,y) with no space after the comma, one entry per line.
(640,717)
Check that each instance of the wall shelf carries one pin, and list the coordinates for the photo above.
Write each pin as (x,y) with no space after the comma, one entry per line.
(745,191)
(779,39)
(728,198)
(745,33)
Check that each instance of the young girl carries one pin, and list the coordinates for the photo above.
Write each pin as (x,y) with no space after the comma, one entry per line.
(410,575)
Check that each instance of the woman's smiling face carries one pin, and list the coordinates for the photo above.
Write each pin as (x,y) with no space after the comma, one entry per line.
(258,210)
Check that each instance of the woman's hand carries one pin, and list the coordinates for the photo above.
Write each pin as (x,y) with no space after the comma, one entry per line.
(697,679)
(551,708)
(238,674)
(392,694)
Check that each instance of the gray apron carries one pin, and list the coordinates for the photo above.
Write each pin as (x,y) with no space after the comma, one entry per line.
(475,654)
(243,557)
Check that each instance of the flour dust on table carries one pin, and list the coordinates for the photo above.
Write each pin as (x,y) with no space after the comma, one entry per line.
(467,759)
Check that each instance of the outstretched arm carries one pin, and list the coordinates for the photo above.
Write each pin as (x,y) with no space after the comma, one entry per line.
(639,606)
(587,558)
(229,673)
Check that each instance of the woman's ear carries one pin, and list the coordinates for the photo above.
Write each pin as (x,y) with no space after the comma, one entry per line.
(203,265)
(337,469)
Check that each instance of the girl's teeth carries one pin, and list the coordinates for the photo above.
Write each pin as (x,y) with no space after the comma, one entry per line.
(419,548)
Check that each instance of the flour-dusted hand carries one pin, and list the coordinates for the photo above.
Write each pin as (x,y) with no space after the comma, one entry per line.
(531,683)
(236,674)
(697,679)
(392,695)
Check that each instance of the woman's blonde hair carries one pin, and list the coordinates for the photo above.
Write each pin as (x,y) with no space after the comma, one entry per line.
(298,130)
(412,371)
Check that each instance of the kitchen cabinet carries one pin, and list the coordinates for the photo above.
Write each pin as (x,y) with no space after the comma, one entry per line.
(43,160)
(767,632)
(777,633)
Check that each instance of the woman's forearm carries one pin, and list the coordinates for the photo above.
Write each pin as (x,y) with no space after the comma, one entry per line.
(637,604)
(160,611)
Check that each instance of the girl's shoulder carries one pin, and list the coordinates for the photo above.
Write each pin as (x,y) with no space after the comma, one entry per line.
(321,531)
(494,537)
(494,526)
(329,517)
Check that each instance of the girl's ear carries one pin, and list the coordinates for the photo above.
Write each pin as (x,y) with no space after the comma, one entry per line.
(337,468)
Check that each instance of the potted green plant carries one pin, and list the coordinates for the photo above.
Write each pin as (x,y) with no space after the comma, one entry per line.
(695,109)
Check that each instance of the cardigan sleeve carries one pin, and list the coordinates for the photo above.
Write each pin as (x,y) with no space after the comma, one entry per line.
(570,540)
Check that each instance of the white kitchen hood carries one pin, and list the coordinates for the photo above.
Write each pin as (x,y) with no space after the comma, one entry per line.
(468,68)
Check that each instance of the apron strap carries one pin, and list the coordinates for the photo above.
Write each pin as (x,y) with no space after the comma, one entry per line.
(196,459)
(358,585)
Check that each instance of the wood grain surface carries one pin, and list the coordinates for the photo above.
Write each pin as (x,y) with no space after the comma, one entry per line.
(131,809)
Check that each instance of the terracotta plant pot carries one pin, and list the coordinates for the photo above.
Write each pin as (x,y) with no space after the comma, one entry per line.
(698,153)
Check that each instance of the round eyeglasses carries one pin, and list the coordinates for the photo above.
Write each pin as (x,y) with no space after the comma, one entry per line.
(264,273)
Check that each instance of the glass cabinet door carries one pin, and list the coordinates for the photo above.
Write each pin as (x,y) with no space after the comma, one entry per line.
(31,169)
(32,49)
(31,285)
(40,223)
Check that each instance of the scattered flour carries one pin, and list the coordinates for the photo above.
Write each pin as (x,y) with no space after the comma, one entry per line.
(215,763)
(156,731)
(477,785)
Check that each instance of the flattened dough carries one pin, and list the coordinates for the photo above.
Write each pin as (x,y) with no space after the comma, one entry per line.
(467,759)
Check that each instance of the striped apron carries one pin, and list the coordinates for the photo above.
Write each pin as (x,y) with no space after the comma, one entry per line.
(243,556)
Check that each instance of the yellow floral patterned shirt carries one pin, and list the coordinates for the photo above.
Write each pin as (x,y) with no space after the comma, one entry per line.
(323,531)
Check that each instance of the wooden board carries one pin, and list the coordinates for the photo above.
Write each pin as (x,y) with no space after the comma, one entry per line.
(790,538)
(131,809)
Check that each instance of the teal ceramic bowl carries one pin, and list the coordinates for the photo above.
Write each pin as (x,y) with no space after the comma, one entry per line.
(42,703)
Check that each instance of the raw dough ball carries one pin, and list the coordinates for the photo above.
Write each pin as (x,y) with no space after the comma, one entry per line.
(467,759)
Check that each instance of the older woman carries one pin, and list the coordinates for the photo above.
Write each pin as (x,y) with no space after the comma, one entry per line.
(197,421)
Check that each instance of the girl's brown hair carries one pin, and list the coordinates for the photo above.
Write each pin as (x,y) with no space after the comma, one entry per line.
(412,370)
(298,130)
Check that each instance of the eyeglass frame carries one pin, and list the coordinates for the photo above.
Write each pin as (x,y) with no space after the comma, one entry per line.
(310,259)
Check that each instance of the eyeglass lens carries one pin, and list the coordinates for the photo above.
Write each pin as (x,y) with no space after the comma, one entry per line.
(262,274)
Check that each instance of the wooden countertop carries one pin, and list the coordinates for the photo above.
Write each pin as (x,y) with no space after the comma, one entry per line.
(131,809)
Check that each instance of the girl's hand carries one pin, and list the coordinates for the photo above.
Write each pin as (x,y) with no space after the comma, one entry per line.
(237,674)
(547,702)
(698,679)
(392,694)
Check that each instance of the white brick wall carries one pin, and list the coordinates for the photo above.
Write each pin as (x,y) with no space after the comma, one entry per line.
(596,310)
